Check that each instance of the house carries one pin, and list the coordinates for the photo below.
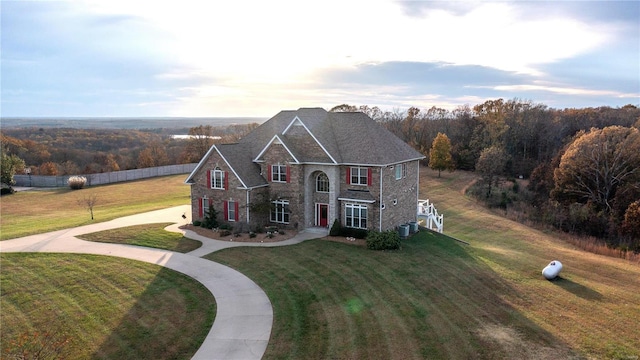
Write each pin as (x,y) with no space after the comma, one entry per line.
(306,168)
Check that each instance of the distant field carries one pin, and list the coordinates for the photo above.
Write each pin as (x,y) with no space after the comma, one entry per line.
(127,123)
(437,298)
(33,212)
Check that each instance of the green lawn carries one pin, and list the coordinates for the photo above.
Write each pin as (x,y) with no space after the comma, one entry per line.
(149,235)
(34,212)
(437,298)
(100,307)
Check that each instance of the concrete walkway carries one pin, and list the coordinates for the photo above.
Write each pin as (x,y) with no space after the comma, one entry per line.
(242,326)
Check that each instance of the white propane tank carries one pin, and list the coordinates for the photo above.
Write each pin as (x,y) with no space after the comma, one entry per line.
(552,270)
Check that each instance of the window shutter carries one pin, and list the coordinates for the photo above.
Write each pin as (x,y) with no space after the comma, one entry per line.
(369,176)
(348,175)
(209,179)
(201,207)
(226,210)
(226,180)
(288,173)
(268,172)
(236,211)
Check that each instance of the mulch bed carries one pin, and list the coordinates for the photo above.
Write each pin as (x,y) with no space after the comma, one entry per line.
(264,238)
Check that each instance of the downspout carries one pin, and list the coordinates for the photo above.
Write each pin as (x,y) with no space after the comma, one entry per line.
(248,190)
(381,200)
(417,189)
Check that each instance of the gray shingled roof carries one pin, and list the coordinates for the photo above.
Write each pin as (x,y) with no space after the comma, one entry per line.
(240,159)
(350,138)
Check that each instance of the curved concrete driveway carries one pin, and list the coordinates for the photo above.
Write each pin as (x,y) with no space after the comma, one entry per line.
(244,315)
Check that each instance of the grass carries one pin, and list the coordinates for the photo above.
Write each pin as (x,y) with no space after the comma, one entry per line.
(437,298)
(149,235)
(88,306)
(33,212)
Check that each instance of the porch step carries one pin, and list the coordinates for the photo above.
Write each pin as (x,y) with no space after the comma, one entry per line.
(317,230)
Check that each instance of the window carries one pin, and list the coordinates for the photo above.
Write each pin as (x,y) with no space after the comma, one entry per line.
(204,207)
(280,211)
(401,171)
(279,173)
(322,183)
(217,179)
(231,211)
(356,216)
(359,175)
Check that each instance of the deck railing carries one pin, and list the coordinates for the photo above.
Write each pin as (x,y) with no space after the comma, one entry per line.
(429,213)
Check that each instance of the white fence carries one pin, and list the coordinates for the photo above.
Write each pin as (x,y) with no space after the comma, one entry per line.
(104,178)
(429,213)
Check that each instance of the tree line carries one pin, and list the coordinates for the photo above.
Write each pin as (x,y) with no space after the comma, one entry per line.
(581,166)
(70,151)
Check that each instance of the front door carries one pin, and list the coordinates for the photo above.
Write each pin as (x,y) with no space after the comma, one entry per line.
(322,215)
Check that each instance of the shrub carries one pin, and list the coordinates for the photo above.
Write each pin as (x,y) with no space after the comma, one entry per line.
(335,228)
(224,232)
(252,235)
(210,220)
(356,233)
(225,227)
(197,223)
(386,240)
(77,182)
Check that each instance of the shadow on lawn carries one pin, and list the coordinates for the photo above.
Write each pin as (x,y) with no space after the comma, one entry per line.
(577,289)
(169,320)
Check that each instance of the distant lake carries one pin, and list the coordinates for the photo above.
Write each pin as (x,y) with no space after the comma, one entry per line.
(186,137)
(125,123)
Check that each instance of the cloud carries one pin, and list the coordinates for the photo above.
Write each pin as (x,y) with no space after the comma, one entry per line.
(255,57)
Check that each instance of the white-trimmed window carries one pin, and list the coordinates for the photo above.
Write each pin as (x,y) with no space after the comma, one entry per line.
(280,211)
(205,206)
(279,173)
(217,179)
(359,175)
(355,216)
(401,171)
(322,183)
(231,210)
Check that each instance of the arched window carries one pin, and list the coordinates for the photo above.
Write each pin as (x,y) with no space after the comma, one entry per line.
(322,183)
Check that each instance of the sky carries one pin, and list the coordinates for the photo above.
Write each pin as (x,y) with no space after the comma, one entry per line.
(215,58)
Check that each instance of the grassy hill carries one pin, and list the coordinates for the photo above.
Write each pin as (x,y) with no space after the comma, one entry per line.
(34,212)
(437,298)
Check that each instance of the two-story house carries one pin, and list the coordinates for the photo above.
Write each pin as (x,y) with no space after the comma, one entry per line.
(305,168)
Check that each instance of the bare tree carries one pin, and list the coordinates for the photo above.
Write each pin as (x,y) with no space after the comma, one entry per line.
(89,202)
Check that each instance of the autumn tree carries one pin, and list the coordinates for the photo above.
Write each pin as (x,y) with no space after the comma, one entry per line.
(596,164)
(440,154)
(491,165)
(631,222)
(153,155)
(201,138)
(9,165)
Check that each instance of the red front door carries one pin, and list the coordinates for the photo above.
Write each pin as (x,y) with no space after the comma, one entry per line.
(322,215)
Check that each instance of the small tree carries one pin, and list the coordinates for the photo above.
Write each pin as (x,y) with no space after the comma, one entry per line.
(210,220)
(9,165)
(440,155)
(89,202)
(491,165)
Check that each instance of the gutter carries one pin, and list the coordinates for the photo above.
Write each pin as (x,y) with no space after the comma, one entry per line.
(381,200)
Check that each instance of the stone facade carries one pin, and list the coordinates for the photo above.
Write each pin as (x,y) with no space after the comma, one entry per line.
(277,183)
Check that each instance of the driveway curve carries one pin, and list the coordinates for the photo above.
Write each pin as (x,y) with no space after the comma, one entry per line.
(244,316)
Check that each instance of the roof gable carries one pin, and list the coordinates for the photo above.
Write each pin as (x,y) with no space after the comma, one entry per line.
(276,140)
